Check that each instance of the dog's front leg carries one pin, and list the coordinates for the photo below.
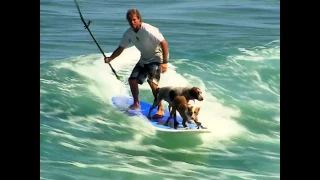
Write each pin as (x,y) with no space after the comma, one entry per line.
(169,107)
(176,123)
(172,113)
(184,120)
(156,102)
(167,122)
(184,123)
(149,113)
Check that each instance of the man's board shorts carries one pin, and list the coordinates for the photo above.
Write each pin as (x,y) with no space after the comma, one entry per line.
(141,72)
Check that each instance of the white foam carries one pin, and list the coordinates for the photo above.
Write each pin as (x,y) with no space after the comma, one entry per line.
(258,54)
(71,146)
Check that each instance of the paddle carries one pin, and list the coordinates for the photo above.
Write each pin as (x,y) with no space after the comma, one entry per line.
(87,27)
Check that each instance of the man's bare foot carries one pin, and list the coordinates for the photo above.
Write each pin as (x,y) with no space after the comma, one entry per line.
(134,106)
(159,114)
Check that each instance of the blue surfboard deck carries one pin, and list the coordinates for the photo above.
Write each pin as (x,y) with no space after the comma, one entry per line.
(123,102)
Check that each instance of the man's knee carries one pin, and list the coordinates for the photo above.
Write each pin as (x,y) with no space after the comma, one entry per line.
(132,80)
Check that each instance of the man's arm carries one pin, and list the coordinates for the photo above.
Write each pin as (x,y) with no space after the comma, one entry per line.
(164,46)
(115,53)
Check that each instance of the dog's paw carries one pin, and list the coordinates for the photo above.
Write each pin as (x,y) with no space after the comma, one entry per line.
(202,127)
(186,128)
(176,125)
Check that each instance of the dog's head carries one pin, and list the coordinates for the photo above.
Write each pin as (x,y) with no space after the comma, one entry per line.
(196,93)
(193,112)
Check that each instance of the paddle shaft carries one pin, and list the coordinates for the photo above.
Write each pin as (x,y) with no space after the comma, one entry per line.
(87,27)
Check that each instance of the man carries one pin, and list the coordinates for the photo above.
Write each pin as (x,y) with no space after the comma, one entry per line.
(154,56)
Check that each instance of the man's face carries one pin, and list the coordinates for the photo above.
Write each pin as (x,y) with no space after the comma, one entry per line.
(135,22)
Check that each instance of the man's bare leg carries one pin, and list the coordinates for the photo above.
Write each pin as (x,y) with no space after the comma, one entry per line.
(135,94)
(160,112)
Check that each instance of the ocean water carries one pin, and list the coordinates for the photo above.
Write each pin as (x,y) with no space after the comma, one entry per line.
(230,49)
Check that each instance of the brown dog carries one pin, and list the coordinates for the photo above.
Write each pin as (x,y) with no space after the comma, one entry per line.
(187,112)
(168,93)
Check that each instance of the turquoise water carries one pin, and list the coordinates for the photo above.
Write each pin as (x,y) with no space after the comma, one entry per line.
(230,49)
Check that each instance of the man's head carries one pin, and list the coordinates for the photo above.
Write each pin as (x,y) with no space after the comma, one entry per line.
(134,19)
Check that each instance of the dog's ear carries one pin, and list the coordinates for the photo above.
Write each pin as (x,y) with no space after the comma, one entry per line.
(194,92)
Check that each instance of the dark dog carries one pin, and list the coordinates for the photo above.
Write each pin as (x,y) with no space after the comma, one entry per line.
(168,93)
(188,112)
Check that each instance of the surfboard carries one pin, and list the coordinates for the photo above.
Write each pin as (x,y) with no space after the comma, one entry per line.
(123,102)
